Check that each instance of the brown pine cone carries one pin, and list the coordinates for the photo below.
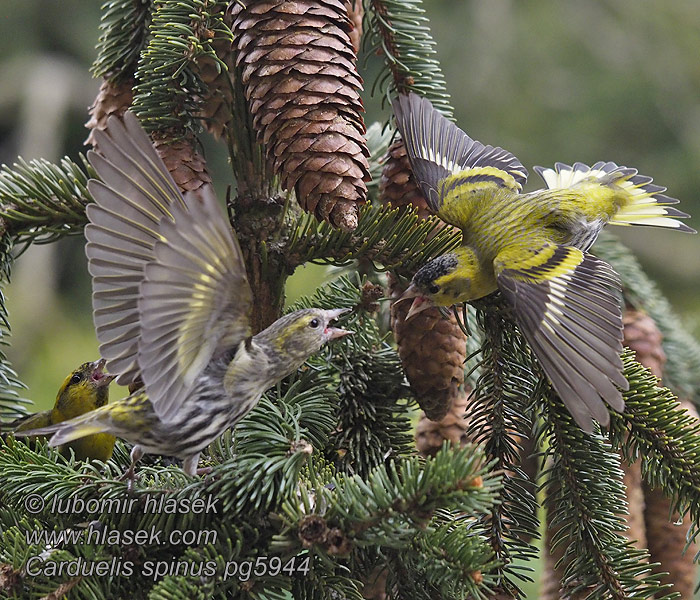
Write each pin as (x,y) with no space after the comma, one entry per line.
(299,75)
(430,435)
(643,336)
(356,11)
(185,163)
(432,351)
(374,587)
(667,538)
(397,184)
(114,98)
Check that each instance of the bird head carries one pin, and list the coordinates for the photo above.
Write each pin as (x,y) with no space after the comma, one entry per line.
(444,281)
(84,389)
(299,334)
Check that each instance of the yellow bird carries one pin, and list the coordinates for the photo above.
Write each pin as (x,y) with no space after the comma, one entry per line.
(533,248)
(85,389)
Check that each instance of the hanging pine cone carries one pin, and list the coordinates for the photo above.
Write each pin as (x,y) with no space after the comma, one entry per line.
(643,336)
(432,351)
(113,98)
(666,540)
(430,435)
(298,72)
(217,105)
(397,184)
(356,11)
(185,164)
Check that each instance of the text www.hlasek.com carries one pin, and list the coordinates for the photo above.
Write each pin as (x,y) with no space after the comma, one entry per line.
(116,537)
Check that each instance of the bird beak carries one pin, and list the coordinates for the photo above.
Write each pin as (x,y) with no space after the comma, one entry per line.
(98,375)
(420,302)
(335,332)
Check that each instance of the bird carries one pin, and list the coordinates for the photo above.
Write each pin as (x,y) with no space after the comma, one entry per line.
(171,308)
(533,248)
(84,390)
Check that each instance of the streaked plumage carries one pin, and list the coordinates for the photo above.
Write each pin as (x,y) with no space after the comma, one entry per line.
(171,304)
(533,247)
(84,390)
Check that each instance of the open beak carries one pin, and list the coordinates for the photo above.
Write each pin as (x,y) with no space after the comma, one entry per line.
(420,302)
(335,332)
(98,375)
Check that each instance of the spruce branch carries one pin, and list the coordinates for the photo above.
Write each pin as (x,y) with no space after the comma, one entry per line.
(41,201)
(170,91)
(11,405)
(124,28)
(586,504)
(397,239)
(371,422)
(666,438)
(400,31)
(501,419)
(453,558)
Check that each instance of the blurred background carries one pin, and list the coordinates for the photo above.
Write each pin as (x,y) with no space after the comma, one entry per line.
(599,80)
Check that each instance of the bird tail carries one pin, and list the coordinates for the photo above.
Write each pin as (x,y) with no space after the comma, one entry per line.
(67,431)
(640,202)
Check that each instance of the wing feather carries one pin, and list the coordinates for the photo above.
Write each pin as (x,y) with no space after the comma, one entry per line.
(567,305)
(195,302)
(135,194)
(437,150)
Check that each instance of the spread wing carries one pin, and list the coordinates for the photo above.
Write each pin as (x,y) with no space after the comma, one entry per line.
(169,284)
(135,194)
(195,301)
(443,157)
(567,305)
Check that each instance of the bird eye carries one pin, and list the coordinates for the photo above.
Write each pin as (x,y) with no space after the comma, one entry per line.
(434,289)
(313,323)
(75,379)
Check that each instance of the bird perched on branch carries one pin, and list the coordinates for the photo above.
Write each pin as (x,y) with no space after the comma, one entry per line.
(171,304)
(533,247)
(85,389)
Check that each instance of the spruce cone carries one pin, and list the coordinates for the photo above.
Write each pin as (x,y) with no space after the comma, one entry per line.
(298,72)
(217,105)
(374,587)
(185,164)
(643,336)
(397,185)
(216,109)
(114,98)
(430,435)
(356,11)
(432,350)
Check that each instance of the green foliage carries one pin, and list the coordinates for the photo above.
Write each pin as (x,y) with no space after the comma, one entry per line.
(169,89)
(11,405)
(124,28)
(501,419)
(400,32)
(587,509)
(395,239)
(41,201)
(657,431)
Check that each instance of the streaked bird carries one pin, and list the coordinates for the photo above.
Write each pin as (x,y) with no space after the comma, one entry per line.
(171,305)
(533,247)
(84,390)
